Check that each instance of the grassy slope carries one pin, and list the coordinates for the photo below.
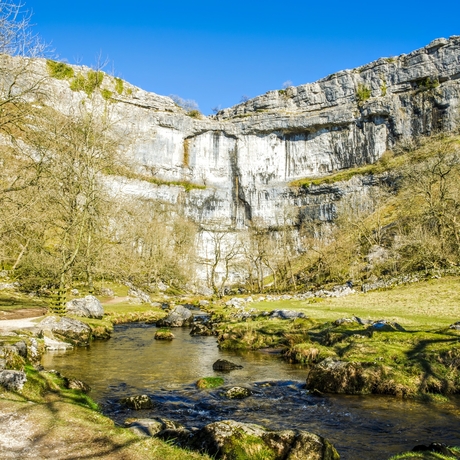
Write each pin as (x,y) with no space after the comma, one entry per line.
(421,361)
(425,305)
(12,300)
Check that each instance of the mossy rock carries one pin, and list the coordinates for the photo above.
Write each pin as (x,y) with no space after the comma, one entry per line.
(231,440)
(237,393)
(209,382)
(433,451)
(138,402)
(164,334)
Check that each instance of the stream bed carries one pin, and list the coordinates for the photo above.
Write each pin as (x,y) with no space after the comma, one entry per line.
(360,427)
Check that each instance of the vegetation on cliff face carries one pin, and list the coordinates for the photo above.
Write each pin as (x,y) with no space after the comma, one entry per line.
(406,222)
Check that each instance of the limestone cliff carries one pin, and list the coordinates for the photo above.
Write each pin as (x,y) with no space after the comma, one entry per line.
(247,155)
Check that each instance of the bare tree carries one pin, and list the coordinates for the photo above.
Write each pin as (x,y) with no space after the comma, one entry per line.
(19,81)
(261,254)
(152,243)
(187,104)
(225,249)
(432,216)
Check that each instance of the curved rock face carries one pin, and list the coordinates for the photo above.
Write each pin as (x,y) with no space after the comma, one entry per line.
(247,155)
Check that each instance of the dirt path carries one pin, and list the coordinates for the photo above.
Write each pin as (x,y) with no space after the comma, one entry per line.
(24,323)
(57,430)
(116,300)
(23,313)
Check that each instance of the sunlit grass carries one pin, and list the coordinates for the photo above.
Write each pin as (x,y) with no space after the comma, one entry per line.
(428,304)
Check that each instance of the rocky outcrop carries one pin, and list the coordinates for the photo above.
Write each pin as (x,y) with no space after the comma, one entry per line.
(227,438)
(12,380)
(88,307)
(179,317)
(222,439)
(67,329)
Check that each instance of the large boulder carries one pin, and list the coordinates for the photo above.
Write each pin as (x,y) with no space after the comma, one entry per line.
(12,380)
(88,307)
(178,317)
(229,439)
(68,329)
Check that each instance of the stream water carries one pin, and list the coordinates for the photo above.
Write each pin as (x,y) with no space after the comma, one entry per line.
(360,427)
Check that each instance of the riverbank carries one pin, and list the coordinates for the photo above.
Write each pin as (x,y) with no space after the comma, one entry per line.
(354,349)
(47,420)
(403,342)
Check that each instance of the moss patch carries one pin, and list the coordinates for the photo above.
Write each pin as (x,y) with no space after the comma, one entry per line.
(130,174)
(59,70)
(119,85)
(242,446)
(209,382)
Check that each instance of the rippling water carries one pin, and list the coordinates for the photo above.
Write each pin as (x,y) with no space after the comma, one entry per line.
(360,427)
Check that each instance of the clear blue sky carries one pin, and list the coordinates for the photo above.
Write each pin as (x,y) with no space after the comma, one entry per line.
(217,51)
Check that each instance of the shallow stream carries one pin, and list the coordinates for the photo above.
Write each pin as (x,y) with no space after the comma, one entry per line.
(360,428)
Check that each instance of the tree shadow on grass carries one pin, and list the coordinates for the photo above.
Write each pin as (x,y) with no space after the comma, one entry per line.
(65,428)
(422,355)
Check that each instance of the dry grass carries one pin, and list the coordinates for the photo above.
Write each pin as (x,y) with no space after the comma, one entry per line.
(428,305)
